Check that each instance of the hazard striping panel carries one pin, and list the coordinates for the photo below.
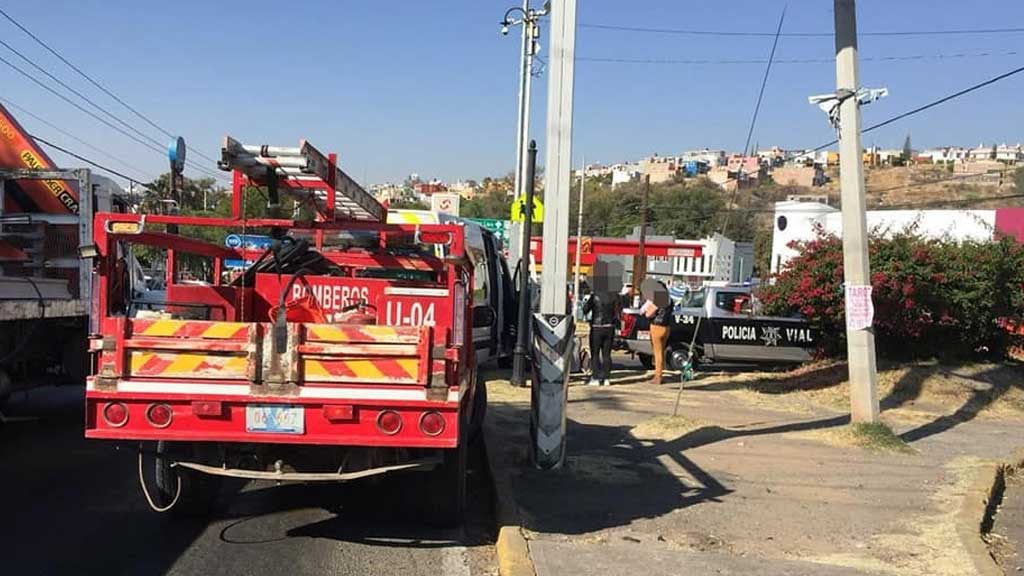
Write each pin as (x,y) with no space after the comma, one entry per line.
(363,334)
(186,364)
(375,370)
(190,329)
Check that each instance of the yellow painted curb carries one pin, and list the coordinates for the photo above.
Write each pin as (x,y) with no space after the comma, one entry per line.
(513,552)
(511,548)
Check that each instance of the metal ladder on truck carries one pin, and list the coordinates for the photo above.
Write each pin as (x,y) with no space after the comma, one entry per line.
(304,173)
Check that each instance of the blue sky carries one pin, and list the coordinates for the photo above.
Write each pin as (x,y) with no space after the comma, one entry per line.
(430,87)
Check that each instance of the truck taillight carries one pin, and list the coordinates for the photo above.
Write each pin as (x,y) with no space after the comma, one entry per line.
(389,422)
(159,415)
(459,315)
(441,238)
(115,414)
(432,423)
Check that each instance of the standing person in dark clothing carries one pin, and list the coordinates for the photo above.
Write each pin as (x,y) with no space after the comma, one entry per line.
(605,308)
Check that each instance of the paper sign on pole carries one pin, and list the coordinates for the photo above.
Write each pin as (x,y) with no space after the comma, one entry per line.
(860,312)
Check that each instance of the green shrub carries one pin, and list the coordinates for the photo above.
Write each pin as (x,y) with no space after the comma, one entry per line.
(932,298)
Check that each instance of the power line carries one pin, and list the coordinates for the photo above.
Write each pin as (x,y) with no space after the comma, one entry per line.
(92,81)
(708,214)
(22,110)
(86,160)
(932,104)
(78,106)
(733,34)
(764,82)
(79,94)
(97,117)
(711,214)
(757,108)
(792,61)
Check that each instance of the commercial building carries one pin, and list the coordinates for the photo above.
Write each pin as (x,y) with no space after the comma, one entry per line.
(803,221)
(722,260)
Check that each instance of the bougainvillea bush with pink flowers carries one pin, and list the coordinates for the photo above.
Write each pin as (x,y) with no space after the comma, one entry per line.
(932,298)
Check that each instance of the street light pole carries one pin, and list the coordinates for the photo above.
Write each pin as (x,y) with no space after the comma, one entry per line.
(860,341)
(521,127)
(531,33)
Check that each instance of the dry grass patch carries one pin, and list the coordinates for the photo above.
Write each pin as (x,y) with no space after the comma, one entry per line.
(666,427)
(906,390)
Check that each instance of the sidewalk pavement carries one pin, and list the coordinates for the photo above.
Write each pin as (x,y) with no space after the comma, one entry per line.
(742,483)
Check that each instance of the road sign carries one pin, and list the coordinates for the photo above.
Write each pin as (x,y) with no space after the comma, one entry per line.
(445,203)
(519,210)
(500,228)
(250,241)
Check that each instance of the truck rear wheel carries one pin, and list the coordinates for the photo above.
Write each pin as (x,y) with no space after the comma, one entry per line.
(445,498)
(197,491)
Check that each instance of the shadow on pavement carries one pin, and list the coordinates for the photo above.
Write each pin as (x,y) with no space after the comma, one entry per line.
(988,386)
(610,478)
(803,378)
(380,512)
(71,505)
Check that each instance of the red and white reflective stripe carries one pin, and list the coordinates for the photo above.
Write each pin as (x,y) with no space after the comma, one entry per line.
(318,392)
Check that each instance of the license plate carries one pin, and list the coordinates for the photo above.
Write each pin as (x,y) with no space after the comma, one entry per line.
(275,419)
(643,335)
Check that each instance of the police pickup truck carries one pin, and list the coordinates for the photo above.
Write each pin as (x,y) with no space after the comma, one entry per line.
(729,329)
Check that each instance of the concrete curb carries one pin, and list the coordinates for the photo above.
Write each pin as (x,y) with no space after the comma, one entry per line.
(978,510)
(511,547)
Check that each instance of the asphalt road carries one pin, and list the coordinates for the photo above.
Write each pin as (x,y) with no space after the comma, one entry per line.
(73,506)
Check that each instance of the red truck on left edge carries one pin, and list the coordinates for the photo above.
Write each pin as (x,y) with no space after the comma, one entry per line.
(326,348)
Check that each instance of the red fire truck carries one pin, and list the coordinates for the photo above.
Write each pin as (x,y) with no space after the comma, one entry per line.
(340,350)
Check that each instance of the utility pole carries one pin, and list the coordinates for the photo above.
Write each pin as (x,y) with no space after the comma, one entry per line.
(860,343)
(531,33)
(579,241)
(553,329)
(640,261)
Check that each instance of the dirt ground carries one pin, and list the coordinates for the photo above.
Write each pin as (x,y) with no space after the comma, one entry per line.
(764,464)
